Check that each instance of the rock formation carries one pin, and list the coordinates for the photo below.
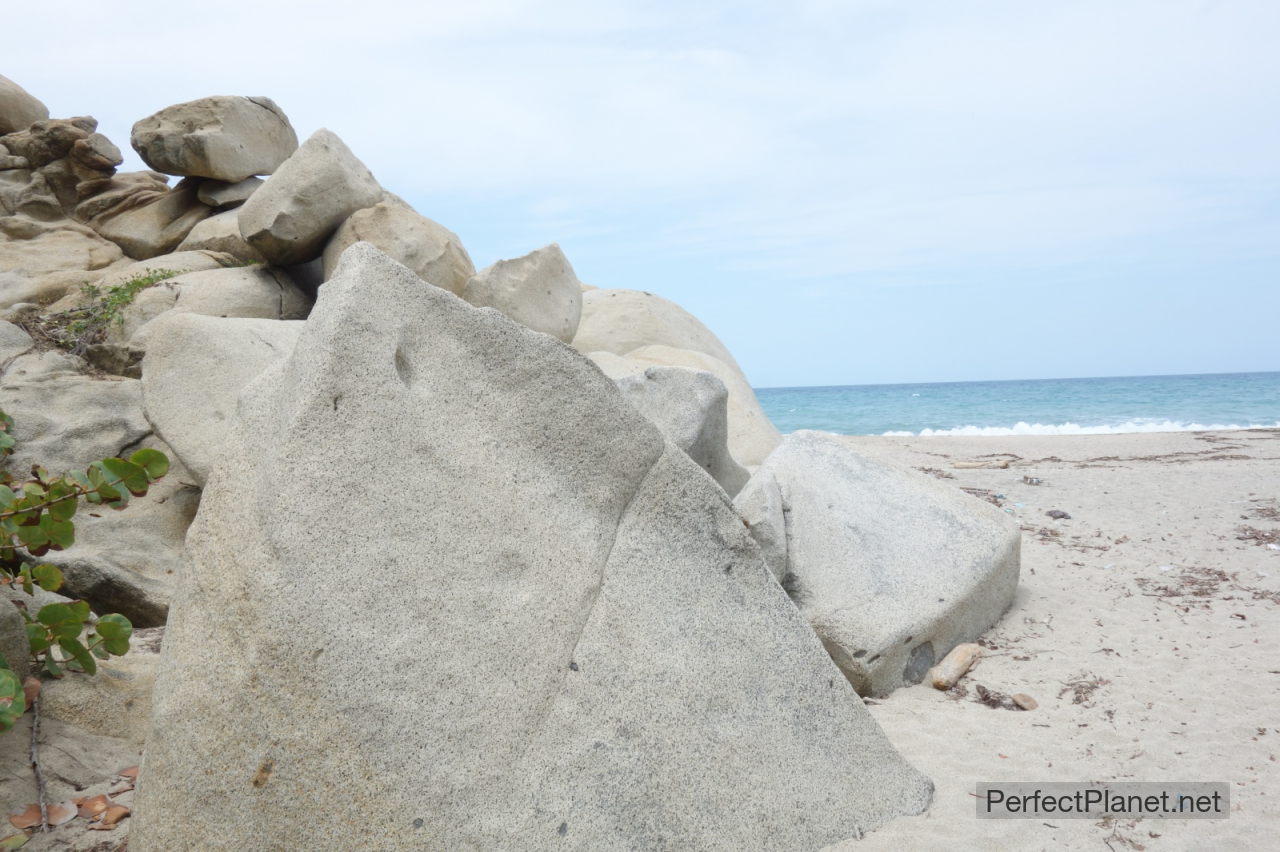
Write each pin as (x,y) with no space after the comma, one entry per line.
(538,290)
(891,567)
(581,648)
(225,138)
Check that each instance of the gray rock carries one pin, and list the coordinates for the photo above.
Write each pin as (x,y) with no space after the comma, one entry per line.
(428,248)
(576,643)
(691,408)
(239,291)
(221,233)
(155,226)
(751,434)
(222,195)
(65,420)
(892,568)
(14,647)
(116,702)
(18,108)
(223,137)
(290,217)
(621,321)
(41,261)
(539,290)
(192,375)
(13,342)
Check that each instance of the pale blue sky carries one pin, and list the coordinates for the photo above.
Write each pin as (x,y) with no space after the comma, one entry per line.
(845,192)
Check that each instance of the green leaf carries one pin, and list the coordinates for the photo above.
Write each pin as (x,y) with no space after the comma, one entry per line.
(80,611)
(100,652)
(130,475)
(55,613)
(81,655)
(7,497)
(38,638)
(62,534)
(12,700)
(14,841)
(114,626)
(52,667)
(154,462)
(48,577)
(33,537)
(64,491)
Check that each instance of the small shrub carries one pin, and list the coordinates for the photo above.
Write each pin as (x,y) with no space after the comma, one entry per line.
(76,329)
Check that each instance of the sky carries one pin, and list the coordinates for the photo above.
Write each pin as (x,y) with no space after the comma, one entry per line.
(845,192)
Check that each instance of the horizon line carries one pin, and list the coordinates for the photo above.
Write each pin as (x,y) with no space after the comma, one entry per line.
(1040,379)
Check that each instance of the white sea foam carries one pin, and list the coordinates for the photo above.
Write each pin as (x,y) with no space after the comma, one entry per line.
(1021,428)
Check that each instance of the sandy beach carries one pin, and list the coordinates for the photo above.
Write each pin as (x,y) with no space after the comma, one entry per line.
(1145,627)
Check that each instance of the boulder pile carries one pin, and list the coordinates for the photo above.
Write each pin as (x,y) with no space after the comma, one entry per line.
(505,560)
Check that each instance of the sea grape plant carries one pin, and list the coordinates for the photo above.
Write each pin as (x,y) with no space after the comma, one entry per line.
(36,516)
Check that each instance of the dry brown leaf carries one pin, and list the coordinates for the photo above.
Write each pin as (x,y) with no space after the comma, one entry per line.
(31,689)
(59,813)
(93,807)
(131,773)
(27,818)
(110,818)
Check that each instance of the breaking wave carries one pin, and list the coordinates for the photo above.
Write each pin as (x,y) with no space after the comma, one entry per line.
(1021,428)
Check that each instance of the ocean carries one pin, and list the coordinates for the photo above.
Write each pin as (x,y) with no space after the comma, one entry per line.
(1033,406)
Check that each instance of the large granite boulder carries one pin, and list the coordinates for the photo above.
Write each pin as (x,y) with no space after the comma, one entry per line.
(458,575)
(150,218)
(291,216)
(539,290)
(621,321)
(223,137)
(264,292)
(65,419)
(193,372)
(18,108)
(428,248)
(41,262)
(221,233)
(691,408)
(752,436)
(891,567)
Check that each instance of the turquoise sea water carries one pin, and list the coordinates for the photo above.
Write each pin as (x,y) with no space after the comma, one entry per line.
(1033,406)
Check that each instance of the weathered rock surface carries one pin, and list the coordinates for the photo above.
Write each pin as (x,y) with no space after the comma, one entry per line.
(221,233)
(239,291)
(691,408)
(18,108)
(116,702)
(752,436)
(149,221)
(577,645)
(41,261)
(65,420)
(892,568)
(223,137)
(14,647)
(428,248)
(538,290)
(289,218)
(222,195)
(193,372)
(621,321)
(13,342)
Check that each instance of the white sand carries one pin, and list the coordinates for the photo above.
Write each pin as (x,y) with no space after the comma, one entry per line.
(1178,665)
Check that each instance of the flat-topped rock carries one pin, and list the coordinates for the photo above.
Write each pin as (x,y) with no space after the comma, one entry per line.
(224,137)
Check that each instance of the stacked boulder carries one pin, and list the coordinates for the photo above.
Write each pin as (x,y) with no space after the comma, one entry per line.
(525,553)
(576,643)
